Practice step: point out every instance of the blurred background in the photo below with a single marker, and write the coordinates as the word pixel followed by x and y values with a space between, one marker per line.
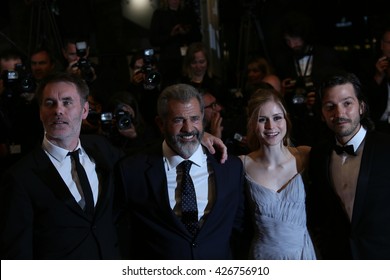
pixel 232 29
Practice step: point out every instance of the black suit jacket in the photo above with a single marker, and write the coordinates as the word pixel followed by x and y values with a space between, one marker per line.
pixel 157 233
pixel 40 219
pixel 367 236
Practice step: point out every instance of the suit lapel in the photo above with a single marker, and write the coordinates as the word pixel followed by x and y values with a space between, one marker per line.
pixel 219 183
pixel 103 172
pixel 363 178
pixel 158 181
pixel 46 171
pixel 159 187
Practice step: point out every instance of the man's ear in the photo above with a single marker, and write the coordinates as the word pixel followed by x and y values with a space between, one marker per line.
pixel 85 110
pixel 363 108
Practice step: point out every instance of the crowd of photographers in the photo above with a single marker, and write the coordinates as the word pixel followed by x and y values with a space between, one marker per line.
pixel 123 119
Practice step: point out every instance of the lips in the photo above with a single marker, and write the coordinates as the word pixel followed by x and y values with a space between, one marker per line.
pixel 58 122
pixel 187 137
pixel 271 134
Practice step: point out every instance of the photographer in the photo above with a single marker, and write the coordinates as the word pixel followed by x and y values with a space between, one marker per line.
pixel 8 60
pixel 124 125
pixel 76 53
pixel 301 67
pixel 145 84
pixel 42 63
pixel 379 85
pixel 19 107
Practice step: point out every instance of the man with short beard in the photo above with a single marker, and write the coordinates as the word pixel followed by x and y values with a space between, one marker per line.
pixel 150 188
pixel 348 200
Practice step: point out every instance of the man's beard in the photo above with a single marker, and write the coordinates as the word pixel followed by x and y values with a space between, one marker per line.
pixel 183 148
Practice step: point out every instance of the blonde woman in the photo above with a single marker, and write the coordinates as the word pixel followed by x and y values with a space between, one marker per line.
pixel 275 187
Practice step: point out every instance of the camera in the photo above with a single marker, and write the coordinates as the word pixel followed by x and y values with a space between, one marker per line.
pixel 18 81
pixel 120 118
pixel 300 88
pixel 83 64
pixel 152 77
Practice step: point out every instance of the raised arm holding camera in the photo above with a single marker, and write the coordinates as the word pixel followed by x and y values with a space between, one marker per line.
pixel 378 83
pixel 145 84
pixel 76 53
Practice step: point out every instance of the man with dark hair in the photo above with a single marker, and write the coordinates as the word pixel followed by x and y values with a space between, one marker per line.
pixel 43 203
pixel 348 200
pixel 42 63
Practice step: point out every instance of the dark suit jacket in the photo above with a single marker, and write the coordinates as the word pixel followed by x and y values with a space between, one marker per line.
pixel 40 219
pixel 157 233
pixel 367 236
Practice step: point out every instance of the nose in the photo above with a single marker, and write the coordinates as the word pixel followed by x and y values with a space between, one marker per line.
pixel 268 124
pixel 187 126
pixel 339 111
pixel 58 109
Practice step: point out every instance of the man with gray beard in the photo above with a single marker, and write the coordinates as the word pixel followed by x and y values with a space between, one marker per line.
pixel 162 222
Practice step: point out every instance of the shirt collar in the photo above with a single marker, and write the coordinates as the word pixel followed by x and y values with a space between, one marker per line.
pixel 57 152
pixel 174 159
pixel 356 140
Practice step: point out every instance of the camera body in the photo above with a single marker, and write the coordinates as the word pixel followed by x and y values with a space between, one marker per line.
pixel 120 119
pixel 18 81
pixel 152 77
pixel 83 63
pixel 300 88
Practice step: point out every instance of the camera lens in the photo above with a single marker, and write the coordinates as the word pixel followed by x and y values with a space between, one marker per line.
pixel 123 120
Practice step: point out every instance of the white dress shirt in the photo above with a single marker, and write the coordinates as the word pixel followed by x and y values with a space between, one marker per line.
pixel 63 163
pixel 345 171
pixel 202 176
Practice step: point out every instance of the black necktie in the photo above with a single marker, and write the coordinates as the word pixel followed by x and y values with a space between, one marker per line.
pixel 347 149
pixel 85 186
pixel 188 199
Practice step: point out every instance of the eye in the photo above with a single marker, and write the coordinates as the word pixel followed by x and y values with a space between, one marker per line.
pixel 262 120
pixel 278 118
pixel 195 119
pixel 48 103
pixel 328 107
pixel 178 120
pixel 347 103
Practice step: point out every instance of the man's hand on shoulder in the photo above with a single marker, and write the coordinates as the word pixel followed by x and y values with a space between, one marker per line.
pixel 212 143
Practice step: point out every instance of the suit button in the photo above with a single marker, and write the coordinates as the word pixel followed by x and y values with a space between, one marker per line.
pixel 93 227
pixel 194 244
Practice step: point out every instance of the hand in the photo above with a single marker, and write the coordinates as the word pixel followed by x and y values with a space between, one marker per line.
pixel 209 141
pixel 73 69
pixel 381 66
pixel 215 125
pixel 288 83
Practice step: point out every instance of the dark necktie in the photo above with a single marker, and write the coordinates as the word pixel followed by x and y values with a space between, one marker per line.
pixel 85 186
pixel 347 149
pixel 188 199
